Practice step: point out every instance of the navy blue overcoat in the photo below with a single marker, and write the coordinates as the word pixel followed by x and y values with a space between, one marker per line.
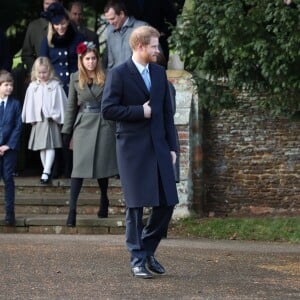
pixel 63 57
pixel 143 145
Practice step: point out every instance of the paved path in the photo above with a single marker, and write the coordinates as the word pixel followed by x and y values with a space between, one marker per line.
pixel 96 267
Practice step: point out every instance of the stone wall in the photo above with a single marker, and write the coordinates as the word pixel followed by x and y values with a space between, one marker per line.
pixel 187 120
pixel 251 162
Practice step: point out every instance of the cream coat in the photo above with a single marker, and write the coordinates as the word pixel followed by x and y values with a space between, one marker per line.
pixel 44 100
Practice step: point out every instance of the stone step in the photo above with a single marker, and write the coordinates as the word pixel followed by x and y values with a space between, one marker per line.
pixel 32 184
pixel 44 208
pixel 34 198
pixel 56 224
pixel 85 198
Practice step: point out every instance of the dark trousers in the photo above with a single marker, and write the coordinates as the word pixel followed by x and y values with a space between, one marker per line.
pixel 7 168
pixel 141 240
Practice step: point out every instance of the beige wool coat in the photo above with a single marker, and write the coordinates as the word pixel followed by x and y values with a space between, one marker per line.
pixel 94 147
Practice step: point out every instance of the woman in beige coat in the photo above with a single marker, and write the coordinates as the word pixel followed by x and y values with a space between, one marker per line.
pixel 93 139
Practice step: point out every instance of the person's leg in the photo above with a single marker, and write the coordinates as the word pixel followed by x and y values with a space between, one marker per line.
pixel 58 164
pixel 153 232
pixel 48 162
pixel 43 157
pixel 49 159
pixel 104 202
pixel 76 184
pixel 9 163
pixel 67 162
pixel 156 227
pixel 134 228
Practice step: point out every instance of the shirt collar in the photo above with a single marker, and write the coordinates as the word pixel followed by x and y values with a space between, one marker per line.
pixel 123 26
pixel 125 23
pixel 3 99
pixel 140 67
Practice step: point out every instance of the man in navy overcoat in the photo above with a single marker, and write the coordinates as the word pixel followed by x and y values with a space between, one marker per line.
pixel 146 147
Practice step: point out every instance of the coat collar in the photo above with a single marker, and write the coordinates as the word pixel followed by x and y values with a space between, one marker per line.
pixel 137 76
pixel 95 90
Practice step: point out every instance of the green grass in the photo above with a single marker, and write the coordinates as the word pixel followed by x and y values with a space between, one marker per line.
pixel 260 229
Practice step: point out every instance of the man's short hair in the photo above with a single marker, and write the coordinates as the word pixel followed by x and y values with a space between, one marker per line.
pixel 5 76
pixel 142 35
pixel 75 3
pixel 117 5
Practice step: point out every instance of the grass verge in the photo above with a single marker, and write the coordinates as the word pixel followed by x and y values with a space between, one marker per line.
pixel 285 229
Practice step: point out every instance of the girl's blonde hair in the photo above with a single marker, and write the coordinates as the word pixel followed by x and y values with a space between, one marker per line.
pixel 83 75
pixel 42 61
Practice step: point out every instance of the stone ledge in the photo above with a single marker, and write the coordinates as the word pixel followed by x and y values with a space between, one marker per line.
pixel 63 200
pixel 60 182
pixel 57 224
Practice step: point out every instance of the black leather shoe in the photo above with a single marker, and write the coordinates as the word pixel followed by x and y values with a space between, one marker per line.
pixel 45 180
pixel 71 221
pixel 154 266
pixel 141 272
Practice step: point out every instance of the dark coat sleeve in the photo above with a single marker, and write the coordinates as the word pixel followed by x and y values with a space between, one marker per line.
pixel 112 107
pixel 13 127
pixel 44 51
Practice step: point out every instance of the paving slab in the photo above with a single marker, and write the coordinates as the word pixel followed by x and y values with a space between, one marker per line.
pixel 36 266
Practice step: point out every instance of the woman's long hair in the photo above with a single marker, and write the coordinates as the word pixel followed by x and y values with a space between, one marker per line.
pixel 84 79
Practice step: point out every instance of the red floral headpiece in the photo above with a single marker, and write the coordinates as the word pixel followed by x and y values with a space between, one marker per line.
pixel 83 46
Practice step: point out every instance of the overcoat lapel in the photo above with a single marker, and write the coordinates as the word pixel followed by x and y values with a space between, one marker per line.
pixel 96 92
pixel 136 77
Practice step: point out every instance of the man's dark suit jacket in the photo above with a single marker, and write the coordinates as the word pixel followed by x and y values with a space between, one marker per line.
pixel 11 124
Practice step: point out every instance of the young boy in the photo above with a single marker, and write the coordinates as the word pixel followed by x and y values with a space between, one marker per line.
pixel 10 131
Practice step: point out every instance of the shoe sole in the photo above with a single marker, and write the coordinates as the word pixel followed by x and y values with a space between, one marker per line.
pixel 143 277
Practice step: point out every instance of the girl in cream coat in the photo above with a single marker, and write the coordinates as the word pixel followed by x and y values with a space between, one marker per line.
pixel 44 107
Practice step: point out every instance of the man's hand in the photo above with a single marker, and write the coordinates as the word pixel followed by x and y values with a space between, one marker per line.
pixel 147 110
pixel 3 149
pixel 174 157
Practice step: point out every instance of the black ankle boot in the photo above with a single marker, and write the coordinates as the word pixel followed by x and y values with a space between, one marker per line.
pixel 71 221
pixel 103 210
pixel 10 219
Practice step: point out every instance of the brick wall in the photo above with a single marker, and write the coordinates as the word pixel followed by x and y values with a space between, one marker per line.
pixel 251 162
pixel 239 162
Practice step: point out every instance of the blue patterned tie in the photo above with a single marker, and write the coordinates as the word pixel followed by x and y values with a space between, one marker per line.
pixel 146 77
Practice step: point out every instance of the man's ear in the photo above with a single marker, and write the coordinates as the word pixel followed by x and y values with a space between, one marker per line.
pixel 140 47
pixel 122 14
